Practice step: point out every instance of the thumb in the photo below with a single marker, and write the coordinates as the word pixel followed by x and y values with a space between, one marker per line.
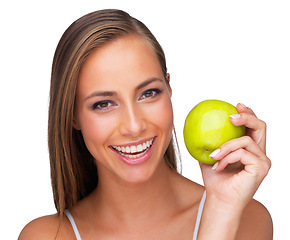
pixel 206 170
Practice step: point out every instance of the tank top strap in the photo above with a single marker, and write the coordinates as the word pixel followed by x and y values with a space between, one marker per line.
pixel 199 214
pixel 73 224
pixel 198 218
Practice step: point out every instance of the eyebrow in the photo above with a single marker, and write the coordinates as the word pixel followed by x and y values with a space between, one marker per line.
pixel 147 82
pixel 114 93
pixel 101 94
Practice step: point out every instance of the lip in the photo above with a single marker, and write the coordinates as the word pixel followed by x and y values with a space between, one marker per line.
pixel 134 161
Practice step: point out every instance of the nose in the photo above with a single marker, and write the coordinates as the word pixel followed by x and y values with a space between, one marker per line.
pixel 132 121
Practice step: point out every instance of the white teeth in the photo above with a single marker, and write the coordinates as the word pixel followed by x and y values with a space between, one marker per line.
pixel 134 149
pixel 140 148
pixel 128 150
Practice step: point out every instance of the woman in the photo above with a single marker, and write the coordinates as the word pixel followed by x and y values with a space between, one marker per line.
pixel 113 163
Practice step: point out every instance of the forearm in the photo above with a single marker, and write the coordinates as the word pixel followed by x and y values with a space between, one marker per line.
pixel 219 221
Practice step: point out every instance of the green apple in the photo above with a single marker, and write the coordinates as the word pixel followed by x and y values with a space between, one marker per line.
pixel 207 127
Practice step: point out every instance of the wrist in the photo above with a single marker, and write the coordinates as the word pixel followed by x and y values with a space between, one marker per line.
pixel 220 220
pixel 224 204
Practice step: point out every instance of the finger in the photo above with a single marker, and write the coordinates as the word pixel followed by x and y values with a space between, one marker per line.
pixel 245 142
pixel 249 120
pixel 244 109
pixel 240 155
pixel 256 127
pixel 252 164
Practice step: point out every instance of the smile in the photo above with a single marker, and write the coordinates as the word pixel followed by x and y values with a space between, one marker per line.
pixel 134 151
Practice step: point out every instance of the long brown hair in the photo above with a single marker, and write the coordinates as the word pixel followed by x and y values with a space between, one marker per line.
pixel 73 169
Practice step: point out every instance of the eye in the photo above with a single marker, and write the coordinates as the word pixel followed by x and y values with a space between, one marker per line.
pixel 102 105
pixel 150 93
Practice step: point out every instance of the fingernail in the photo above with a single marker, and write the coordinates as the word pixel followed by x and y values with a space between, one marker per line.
pixel 235 116
pixel 215 166
pixel 243 105
pixel 215 152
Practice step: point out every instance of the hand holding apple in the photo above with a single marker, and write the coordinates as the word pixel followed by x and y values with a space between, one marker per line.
pixel 207 127
pixel 230 189
pixel 236 184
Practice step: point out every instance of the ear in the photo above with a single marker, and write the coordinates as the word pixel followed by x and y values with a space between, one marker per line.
pixel 76 125
pixel 169 87
pixel 168 77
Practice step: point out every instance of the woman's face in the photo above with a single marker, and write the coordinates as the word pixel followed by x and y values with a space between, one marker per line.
pixel 123 109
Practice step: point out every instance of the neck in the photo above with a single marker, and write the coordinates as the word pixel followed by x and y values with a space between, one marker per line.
pixel 133 201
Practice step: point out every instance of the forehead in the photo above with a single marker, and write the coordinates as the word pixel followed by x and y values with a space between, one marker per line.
pixel 128 59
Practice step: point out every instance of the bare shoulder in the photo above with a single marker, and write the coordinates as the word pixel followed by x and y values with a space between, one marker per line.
pixel 188 190
pixel 256 223
pixel 46 228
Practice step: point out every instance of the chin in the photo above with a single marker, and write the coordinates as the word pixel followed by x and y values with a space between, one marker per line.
pixel 143 173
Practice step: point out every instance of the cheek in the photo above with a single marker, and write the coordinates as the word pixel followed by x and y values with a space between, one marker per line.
pixel 96 130
pixel 162 115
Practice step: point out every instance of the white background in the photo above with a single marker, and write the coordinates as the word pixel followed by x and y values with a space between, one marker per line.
pixel 237 51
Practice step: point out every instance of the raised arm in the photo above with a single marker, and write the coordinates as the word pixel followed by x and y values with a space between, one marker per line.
pixel 229 207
